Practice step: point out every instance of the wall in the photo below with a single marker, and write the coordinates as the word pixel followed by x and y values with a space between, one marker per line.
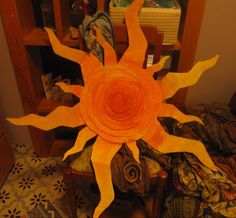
pixel 218 36
pixel 10 102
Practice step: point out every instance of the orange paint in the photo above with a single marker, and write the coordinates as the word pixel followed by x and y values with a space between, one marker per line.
pixel 120 103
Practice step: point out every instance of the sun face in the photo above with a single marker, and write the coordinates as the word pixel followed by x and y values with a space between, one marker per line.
pixel 120 103
pixel 115 101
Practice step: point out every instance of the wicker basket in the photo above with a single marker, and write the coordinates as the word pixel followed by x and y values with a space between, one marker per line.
pixel 166 20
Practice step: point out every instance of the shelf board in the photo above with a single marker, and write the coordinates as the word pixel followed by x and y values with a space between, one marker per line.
pixel 174 47
pixel 70 42
pixel 38 37
pixel 46 106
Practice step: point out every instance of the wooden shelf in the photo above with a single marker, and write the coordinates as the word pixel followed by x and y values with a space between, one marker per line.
pixel 18 17
pixel 38 37
pixel 175 47
pixel 46 106
pixel 70 42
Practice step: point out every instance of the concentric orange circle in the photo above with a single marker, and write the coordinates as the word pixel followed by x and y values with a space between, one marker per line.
pixel 118 105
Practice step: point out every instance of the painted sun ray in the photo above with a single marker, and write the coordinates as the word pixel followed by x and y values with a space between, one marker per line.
pixel 88 62
pixel 166 143
pixel 83 136
pixel 61 116
pixel 73 89
pixel 129 121
pixel 135 53
pixel 134 148
pixel 105 151
pixel 172 82
pixel 158 66
pixel 109 52
pixel 64 51
pixel 169 110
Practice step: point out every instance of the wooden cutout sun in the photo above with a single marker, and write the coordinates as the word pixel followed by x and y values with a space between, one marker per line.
pixel 120 103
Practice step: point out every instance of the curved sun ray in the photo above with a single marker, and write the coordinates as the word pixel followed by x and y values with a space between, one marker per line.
pixel 74 89
pixel 109 52
pixel 83 136
pixel 88 62
pixel 158 66
pixel 136 51
pixel 134 148
pixel 166 143
pixel 172 82
pixel 169 110
pixel 64 51
pixel 105 151
pixel 61 116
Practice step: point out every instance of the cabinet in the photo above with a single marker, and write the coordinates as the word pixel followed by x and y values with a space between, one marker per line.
pixel 7 158
pixel 26 40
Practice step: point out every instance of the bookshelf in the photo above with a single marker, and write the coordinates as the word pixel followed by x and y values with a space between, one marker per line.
pixel 26 38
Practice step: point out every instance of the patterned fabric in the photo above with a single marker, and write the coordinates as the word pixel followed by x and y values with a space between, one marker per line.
pixel 181 206
pixel 43 210
pixel 127 175
pixel 103 22
pixel 214 189
pixel 219 130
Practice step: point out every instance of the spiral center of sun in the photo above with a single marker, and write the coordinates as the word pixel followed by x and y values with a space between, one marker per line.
pixel 121 103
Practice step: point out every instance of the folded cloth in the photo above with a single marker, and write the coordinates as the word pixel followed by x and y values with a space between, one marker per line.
pixel 214 189
pixel 219 130
pixel 103 22
pixel 227 164
pixel 232 103
pixel 127 174
pixel 177 205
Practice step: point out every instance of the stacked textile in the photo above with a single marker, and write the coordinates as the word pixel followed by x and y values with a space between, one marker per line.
pixel 198 191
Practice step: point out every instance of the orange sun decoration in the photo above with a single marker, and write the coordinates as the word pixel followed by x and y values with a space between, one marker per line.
pixel 120 103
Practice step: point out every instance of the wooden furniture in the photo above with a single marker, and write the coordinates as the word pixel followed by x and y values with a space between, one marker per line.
pixel 158 180
pixel 152 35
pixel 26 38
pixel 7 158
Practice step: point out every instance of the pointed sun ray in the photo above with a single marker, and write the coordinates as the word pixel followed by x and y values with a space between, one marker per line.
pixel 169 110
pixel 84 135
pixel 88 62
pixel 109 52
pixel 135 53
pixel 158 66
pixel 172 82
pixel 64 51
pixel 166 143
pixel 74 89
pixel 105 151
pixel 134 148
pixel 61 116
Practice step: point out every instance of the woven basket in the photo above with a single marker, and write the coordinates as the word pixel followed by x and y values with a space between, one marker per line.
pixel 166 20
